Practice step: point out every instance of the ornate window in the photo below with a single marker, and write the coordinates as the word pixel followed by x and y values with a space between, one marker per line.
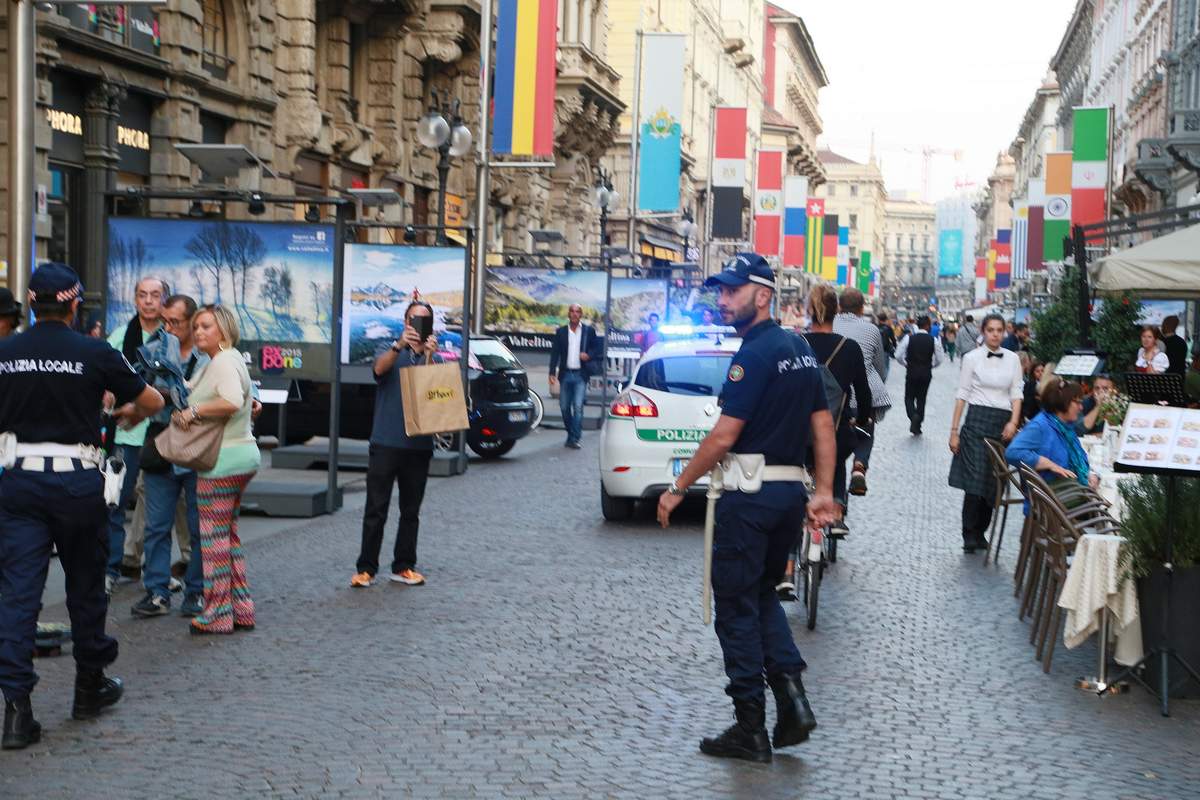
pixel 215 51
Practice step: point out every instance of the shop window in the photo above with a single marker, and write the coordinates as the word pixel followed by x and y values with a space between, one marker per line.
pixel 64 203
pixel 133 25
pixel 853 221
pixel 215 55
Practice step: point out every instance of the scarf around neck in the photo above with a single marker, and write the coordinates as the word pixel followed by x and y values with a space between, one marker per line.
pixel 1078 458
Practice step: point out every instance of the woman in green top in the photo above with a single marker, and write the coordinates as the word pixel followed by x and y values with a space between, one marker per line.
pixel 222 392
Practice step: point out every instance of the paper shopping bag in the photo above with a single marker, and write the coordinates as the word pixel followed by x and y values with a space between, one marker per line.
pixel 433 399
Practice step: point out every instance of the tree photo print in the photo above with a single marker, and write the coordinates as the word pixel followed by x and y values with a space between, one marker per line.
pixel 276 278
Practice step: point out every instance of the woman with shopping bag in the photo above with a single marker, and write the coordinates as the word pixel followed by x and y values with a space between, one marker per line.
pixel 395 456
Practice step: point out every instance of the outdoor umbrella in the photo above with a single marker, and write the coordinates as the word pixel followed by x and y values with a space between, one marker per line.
pixel 1167 267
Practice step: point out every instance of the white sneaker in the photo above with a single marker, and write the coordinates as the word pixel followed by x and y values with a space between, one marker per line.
pixel 175 585
pixel 110 583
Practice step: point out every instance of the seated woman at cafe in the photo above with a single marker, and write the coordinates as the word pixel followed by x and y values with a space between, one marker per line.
pixel 1151 356
pixel 1049 443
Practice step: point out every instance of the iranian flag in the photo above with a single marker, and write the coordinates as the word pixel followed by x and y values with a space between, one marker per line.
pixel 1089 168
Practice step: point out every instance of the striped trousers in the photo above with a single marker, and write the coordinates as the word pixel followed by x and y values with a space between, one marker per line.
pixel 227 600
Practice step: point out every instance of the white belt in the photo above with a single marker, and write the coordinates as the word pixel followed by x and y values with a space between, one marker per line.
pixel 747 472
pixel 62 456
pixel 771 474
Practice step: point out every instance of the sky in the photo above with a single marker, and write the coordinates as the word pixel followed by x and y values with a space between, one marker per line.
pixel 954 75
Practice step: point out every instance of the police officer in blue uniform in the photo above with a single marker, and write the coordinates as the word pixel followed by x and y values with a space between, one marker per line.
pixel 772 406
pixel 52 492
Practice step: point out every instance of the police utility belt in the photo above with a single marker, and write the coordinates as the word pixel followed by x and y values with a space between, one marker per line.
pixel 53 457
pixel 747 472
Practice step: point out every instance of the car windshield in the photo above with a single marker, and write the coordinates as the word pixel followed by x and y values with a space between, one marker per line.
pixel 698 375
pixel 492 355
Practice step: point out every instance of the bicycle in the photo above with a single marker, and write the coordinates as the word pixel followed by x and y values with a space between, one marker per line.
pixel 809 557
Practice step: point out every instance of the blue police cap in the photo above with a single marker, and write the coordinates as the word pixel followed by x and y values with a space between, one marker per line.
pixel 744 268
pixel 54 282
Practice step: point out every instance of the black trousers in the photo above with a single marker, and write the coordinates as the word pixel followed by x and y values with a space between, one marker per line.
pixel 916 387
pixel 409 470
pixel 976 517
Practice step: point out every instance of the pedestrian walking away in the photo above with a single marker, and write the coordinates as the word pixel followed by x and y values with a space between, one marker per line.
pixel 222 392
pixel 853 325
pixel 52 493
pixel 772 402
pixel 574 358
pixel 888 336
pixel 967 338
pixel 395 457
pixel 919 353
pixel 990 388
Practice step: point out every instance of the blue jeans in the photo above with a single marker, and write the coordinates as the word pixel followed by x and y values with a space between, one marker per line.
pixel 573 387
pixel 162 495
pixel 132 455
pixel 754 533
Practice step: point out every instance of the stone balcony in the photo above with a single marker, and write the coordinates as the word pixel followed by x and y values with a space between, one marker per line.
pixel 588 103
pixel 1154 164
pixel 1183 137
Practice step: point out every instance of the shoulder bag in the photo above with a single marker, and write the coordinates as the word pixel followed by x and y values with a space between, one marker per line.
pixel 196 448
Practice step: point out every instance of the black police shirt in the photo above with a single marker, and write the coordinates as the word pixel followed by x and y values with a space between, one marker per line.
pixel 52 384
pixel 774 384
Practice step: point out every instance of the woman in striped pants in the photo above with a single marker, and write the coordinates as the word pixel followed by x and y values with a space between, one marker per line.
pixel 223 391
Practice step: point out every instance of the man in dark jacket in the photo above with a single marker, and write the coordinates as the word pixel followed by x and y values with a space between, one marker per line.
pixel 1174 345
pixel 575 357
pixel 889 343
pixel 919 352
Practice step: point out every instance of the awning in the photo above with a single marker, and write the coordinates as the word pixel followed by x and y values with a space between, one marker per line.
pixel 1166 267
pixel 660 248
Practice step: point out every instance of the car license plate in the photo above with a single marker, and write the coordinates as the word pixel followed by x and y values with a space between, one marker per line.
pixel 677 466
pixel 518 416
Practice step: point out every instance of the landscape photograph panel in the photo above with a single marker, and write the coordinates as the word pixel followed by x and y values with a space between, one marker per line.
pixel 381 281
pixel 277 278
pixel 535 300
pixel 632 302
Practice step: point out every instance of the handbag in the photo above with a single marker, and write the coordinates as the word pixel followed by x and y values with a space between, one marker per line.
pixel 433 400
pixel 196 448
pixel 152 460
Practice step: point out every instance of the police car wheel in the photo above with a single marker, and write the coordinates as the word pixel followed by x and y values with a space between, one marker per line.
pixel 615 509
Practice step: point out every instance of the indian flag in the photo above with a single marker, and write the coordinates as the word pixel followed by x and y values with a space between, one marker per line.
pixel 1057 213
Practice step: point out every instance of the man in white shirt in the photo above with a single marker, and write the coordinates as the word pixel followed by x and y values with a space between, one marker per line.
pixel 919 352
pixel 853 325
pixel 574 358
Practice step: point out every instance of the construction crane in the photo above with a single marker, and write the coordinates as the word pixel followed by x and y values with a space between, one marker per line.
pixel 927 154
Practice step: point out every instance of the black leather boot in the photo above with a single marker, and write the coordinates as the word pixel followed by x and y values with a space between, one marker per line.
pixel 794 716
pixel 94 691
pixel 20 728
pixel 745 739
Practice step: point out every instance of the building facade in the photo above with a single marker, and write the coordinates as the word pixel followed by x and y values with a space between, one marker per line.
pixel 1145 166
pixel 1071 66
pixel 908 267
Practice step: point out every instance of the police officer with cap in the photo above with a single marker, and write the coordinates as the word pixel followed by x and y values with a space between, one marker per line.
pixel 52 492
pixel 772 406
pixel 10 313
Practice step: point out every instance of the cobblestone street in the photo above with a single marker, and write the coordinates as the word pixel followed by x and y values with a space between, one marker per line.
pixel 553 655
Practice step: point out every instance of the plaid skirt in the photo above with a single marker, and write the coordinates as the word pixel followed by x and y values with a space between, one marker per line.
pixel 970 470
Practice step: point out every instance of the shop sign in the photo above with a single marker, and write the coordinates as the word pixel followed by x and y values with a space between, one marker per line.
pixel 65 118
pixel 133 137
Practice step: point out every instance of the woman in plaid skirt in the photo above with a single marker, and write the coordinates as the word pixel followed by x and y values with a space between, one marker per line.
pixel 990 389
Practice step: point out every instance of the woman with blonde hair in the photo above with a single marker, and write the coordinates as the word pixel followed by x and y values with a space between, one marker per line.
pixel 222 392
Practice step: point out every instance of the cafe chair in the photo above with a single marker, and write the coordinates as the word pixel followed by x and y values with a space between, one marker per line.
pixel 1007 493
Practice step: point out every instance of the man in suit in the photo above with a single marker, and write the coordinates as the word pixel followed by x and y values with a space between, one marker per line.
pixel 919 352
pixel 1174 345
pixel 575 357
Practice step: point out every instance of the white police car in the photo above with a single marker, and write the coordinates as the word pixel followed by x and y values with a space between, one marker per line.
pixel 657 421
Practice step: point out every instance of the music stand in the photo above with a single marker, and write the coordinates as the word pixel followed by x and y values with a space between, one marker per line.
pixel 1159 390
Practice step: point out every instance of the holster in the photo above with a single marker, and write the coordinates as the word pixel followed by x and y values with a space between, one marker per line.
pixel 114 478
pixel 8 450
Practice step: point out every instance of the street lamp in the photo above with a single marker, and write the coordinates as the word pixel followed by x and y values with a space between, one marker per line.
pixel 687 228
pixel 450 138
pixel 606 198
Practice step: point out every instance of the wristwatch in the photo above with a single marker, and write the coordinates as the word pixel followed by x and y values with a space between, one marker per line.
pixel 396 349
pixel 675 490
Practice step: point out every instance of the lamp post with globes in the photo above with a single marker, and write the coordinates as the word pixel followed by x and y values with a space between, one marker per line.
pixel 687 228
pixel 442 129
pixel 606 198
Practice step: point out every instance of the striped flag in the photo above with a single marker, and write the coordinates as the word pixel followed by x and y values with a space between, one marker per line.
pixel 1004 258
pixel 768 202
pixel 659 132
pixel 1035 259
pixel 816 228
pixel 795 219
pixel 981 281
pixel 829 248
pixel 1057 225
pixel 1020 240
pixel 843 254
pixel 526 49
pixel 1089 166
pixel 728 172
pixel 991 266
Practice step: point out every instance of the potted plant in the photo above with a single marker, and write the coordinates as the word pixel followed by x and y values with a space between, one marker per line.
pixel 1145 526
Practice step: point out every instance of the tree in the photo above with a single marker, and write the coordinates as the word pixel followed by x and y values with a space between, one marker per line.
pixel 246 253
pixel 1116 332
pixel 276 289
pixel 1056 328
pixel 210 248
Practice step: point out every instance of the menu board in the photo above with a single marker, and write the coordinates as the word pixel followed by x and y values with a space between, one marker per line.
pixel 1160 437
pixel 1078 365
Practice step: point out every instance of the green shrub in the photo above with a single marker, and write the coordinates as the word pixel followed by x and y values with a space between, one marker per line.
pixel 1055 329
pixel 1116 333
pixel 1145 523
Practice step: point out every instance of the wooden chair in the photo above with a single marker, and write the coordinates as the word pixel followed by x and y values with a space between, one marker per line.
pixel 1007 493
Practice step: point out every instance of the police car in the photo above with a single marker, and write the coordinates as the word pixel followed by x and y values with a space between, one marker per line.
pixel 657 421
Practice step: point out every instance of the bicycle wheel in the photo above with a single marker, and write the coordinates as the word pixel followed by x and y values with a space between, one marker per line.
pixel 812 589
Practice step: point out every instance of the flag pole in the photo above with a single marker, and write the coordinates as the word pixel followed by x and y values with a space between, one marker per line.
pixel 708 204
pixel 479 287
pixel 635 124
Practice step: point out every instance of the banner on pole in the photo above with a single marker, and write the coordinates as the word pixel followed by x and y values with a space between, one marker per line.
pixel 768 202
pixel 795 219
pixel 728 173
pixel 815 240
pixel 1089 165
pixel 659 130
pixel 950 252
pixel 523 103
pixel 1057 215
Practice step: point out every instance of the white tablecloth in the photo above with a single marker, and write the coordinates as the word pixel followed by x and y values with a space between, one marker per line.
pixel 1093 583
pixel 1109 489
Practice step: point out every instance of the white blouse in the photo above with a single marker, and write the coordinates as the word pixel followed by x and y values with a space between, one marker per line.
pixel 993 382
pixel 1160 362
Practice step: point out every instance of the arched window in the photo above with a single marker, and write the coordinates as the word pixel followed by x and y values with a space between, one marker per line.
pixel 215 54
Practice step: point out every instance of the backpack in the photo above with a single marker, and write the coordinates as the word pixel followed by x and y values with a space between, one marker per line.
pixel 835 395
